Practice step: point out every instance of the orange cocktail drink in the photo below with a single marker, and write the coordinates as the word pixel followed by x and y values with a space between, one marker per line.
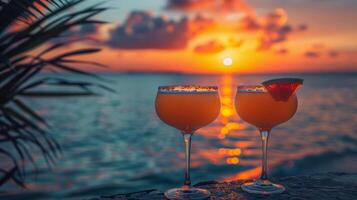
pixel 256 106
pixel 266 106
pixel 187 108
pixel 187 111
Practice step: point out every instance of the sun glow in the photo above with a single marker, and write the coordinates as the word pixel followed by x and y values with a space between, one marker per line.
pixel 228 61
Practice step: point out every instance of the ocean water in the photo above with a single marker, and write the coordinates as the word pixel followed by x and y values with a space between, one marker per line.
pixel 114 143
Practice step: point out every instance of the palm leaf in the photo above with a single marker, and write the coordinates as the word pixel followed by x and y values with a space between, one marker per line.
pixel 11 175
pixel 57 94
pixel 39 22
pixel 26 109
pixel 21 10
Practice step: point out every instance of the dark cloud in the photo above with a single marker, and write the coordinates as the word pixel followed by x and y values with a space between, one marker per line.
pixel 274 35
pixel 87 33
pixel 302 27
pixel 83 31
pixel 91 33
pixel 333 54
pixel 320 49
pixel 186 4
pixel 209 5
pixel 88 29
pixel 142 30
pixel 209 47
pixel 312 54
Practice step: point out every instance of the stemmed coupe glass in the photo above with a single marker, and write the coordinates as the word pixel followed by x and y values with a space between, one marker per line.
pixel 266 106
pixel 187 108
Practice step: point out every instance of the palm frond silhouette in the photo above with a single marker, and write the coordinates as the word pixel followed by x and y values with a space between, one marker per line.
pixel 27 31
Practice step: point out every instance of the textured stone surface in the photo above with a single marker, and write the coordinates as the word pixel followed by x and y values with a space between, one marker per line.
pixel 337 186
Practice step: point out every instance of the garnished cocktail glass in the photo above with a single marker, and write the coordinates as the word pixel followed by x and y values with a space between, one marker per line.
pixel 266 106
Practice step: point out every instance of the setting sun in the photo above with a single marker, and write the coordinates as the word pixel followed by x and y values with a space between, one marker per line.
pixel 227 61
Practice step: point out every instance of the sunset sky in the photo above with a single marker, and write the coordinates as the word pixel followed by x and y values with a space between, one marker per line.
pixel 226 36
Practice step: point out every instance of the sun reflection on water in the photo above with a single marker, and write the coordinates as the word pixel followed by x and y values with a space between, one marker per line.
pixel 228 117
pixel 232 133
pixel 229 121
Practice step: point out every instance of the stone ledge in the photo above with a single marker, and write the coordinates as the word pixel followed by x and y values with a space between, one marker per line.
pixel 324 186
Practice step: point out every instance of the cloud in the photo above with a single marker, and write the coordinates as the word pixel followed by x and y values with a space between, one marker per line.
pixel 276 18
pixel 302 27
pixel 87 33
pixel 274 36
pixel 209 47
pixel 312 54
pixel 88 29
pixel 91 32
pixel 272 27
pixel 142 30
pixel 215 46
pixel 209 5
pixel 333 54
pixel 249 23
pixel 320 49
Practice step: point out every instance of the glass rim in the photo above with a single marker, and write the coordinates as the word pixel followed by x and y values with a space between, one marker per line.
pixel 257 88
pixel 187 89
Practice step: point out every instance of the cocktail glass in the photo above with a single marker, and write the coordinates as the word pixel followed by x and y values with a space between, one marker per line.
pixel 255 105
pixel 187 108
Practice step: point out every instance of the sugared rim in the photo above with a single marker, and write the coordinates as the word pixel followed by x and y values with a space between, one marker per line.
pixel 187 89
pixel 251 88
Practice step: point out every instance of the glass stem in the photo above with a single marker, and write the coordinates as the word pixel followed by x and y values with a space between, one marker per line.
pixel 187 140
pixel 265 137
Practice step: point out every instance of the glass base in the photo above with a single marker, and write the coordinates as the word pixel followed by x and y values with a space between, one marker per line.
pixel 186 193
pixel 263 187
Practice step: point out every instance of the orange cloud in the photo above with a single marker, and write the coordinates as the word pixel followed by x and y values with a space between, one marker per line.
pixel 273 28
pixel 212 46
